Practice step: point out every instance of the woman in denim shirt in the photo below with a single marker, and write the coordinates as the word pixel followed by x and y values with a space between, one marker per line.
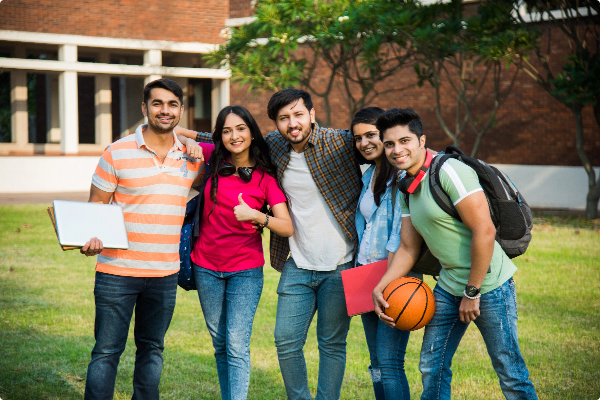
pixel 378 228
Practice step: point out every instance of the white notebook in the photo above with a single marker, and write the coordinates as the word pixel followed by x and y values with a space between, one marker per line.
pixel 78 222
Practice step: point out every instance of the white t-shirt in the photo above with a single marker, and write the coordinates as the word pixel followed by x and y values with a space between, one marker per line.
pixel 319 242
pixel 366 209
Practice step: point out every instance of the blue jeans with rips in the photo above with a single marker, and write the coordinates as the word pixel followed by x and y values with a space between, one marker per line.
pixel 116 297
pixel 387 348
pixel 301 292
pixel 229 301
pixel 498 326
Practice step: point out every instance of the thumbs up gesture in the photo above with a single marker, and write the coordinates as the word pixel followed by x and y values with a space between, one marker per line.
pixel 243 212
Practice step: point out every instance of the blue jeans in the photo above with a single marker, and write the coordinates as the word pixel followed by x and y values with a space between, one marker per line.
pixel 387 348
pixel 301 292
pixel 116 297
pixel 229 301
pixel 498 326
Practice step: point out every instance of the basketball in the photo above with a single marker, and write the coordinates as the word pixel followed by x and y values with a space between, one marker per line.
pixel 411 303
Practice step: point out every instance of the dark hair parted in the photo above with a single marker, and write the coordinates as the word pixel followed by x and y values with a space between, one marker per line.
pixel 166 84
pixel 400 117
pixel 285 97
pixel 259 150
pixel 369 116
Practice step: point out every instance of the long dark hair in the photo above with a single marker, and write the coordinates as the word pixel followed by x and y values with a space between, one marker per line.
pixel 259 150
pixel 369 116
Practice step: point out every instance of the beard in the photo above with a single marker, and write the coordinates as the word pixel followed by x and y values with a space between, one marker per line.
pixel 305 132
pixel 160 127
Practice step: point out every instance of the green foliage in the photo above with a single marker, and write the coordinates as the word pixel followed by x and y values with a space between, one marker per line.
pixel 580 81
pixel 314 44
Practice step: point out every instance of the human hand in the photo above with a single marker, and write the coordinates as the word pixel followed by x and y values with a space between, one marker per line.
pixel 380 306
pixel 243 212
pixel 468 310
pixel 193 149
pixel 93 247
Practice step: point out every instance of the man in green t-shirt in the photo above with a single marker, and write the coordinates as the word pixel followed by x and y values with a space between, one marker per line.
pixel 475 282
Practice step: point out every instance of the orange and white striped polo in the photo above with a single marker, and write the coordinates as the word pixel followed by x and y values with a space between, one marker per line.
pixel 153 196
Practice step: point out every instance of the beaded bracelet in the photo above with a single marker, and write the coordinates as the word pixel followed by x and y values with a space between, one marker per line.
pixel 266 220
pixel 471 298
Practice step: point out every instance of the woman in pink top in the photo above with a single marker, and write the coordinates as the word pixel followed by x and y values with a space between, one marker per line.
pixel 228 255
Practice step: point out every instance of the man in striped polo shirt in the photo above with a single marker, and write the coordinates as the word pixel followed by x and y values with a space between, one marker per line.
pixel 149 174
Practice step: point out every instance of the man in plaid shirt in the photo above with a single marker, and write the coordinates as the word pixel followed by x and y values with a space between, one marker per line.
pixel 317 171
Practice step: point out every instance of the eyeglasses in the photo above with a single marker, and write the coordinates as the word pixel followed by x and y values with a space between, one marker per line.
pixel 228 169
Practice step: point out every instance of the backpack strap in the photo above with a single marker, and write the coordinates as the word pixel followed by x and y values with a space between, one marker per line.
pixel 437 191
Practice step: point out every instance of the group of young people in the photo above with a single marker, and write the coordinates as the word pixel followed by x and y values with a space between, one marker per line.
pixel 303 182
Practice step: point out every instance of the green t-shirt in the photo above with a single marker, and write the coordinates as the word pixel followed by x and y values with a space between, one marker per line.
pixel 449 239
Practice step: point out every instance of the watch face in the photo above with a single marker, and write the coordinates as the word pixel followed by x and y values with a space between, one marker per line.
pixel 471 291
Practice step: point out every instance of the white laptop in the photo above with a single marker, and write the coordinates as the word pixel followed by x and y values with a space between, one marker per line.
pixel 78 222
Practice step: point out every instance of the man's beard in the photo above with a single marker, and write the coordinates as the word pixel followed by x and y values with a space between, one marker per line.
pixel 162 128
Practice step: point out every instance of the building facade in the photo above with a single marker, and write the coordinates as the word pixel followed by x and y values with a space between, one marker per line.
pixel 72 74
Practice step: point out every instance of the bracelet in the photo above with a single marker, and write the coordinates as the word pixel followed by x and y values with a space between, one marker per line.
pixel 266 220
pixel 471 298
pixel 197 136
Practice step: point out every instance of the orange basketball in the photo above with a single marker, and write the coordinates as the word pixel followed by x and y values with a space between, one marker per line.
pixel 411 303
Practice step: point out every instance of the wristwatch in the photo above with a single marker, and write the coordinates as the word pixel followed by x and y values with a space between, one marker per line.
pixel 471 292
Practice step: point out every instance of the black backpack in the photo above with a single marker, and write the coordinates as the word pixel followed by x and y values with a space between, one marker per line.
pixel 510 212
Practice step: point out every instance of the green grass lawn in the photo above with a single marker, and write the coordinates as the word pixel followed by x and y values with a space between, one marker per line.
pixel 47 321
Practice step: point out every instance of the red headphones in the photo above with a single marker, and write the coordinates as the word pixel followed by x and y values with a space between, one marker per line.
pixel 411 184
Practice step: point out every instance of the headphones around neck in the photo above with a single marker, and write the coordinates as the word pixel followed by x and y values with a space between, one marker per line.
pixel 228 169
pixel 411 184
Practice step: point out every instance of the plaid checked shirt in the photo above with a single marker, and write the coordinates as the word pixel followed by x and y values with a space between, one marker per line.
pixel 330 157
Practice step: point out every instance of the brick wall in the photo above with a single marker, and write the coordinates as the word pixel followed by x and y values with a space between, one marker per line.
pixel 532 127
pixel 240 8
pixel 180 21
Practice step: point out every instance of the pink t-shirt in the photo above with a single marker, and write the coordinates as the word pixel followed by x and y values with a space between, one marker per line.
pixel 226 244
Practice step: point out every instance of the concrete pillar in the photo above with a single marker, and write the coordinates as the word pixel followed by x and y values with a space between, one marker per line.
pixel 219 98
pixel 152 58
pixel 103 100
pixel 18 105
pixel 19 118
pixel 68 107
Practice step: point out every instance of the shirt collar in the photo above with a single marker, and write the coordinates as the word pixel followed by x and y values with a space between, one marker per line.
pixel 139 138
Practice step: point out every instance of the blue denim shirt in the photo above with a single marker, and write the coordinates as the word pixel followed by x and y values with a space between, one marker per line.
pixel 384 234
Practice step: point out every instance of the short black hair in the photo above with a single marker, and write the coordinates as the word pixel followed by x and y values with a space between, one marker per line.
pixel 166 84
pixel 400 117
pixel 285 97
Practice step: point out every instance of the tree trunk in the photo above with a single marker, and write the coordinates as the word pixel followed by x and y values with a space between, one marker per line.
pixel 593 195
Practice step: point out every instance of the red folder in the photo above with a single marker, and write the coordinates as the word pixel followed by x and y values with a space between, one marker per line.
pixel 359 283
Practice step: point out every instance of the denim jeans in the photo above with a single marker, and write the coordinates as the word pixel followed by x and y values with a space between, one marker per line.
pixel 498 326
pixel 301 292
pixel 387 347
pixel 116 297
pixel 229 301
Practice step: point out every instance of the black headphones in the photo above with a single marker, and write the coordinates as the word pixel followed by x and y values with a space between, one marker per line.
pixel 411 184
pixel 227 169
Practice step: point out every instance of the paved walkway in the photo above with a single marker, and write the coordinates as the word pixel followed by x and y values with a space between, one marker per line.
pixel 41 198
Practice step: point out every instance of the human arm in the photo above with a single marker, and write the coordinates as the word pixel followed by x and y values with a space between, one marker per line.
pixel 94 246
pixel 399 265
pixel 475 214
pixel 280 223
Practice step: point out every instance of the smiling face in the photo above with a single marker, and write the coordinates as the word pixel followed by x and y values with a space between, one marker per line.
pixel 367 140
pixel 294 122
pixel 163 110
pixel 403 149
pixel 236 135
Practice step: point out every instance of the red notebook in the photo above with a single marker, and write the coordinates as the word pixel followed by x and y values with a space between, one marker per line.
pixel 359 283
